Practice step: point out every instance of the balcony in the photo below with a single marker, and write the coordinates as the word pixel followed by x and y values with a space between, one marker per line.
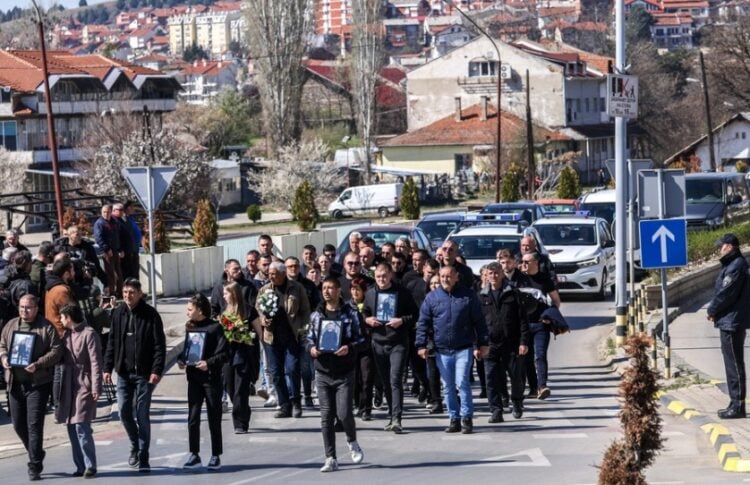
pixel 97 107
pixel 63 155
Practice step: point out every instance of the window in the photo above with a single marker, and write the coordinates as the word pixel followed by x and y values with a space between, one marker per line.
pixel 8 135
pixel 462 161
pixel 482 68
pixel 578 105
pixel 743 135
pixel 5 94
pixel 587 104
pixel 602 105
pixel 595 103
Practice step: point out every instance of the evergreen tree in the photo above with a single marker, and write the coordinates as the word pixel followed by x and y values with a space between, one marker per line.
pixel 253 212
pixel 205 228
pixel 303 207
pixel 82 3
pixel 161 239
pixel 569 186
pixel 410 200
pixel 509 190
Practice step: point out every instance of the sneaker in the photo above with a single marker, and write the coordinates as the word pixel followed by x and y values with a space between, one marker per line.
pixel 214 463
pixel 517 410
pixel 34 475
pixel 133 459
pixel 284 412
pixel 309 403
pixel 544 393
pixel 271 402
pixel 77 473
pixel 467 426
pixel 89 473
pixel 240 431
pixel 194 461
pixel 497 417
pixel 262 393
pixel 357 453
pixel 367 416
pixel 454 426
pixel 297 413
pixel 396 426
pixel 331 465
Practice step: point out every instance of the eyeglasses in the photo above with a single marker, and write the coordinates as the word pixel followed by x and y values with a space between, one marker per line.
pixel 26 307
pixel 448 249
pixel 352 263
pixel 292 266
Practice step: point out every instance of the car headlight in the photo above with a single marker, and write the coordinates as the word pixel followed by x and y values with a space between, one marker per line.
pixel 589 262
pixel 716 221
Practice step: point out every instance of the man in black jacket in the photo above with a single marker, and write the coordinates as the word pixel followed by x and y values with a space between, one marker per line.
pixel 450 252
pixel 232 272
pixel 509 335
pixel 137 352
pixel 728 311
pixel 352 269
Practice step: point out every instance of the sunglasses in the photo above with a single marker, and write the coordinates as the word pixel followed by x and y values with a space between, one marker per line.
pixel 352 263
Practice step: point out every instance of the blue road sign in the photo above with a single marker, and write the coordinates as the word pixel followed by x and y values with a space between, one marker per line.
pixel 663 243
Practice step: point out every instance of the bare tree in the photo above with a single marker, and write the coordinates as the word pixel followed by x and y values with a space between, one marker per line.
pixel 278 33
pixel 13 174
pixel 728 65
pixel 368 55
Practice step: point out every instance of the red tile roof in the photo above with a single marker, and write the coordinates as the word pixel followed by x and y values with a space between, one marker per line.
pixel 471 130
pixel 207 68
pixel 671 19
pixel 557 11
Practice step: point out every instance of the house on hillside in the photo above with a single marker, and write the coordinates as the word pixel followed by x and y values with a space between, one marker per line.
pixel 731 145
pixel 203 80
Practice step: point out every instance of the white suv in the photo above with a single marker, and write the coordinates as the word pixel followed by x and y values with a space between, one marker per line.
pixel 583 252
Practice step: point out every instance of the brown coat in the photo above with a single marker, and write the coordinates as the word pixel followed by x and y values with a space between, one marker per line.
pixel 295 305
pixel 48 349
pixel 57 297
pixel 82 376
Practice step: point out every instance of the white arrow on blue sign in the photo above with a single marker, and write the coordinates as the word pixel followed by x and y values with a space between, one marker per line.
pixel 663 243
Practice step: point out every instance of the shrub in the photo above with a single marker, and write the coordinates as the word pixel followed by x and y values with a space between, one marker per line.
pixel 509 190
pixel 253 212
pixel 161 241
pixel 702 244
pixel 569 186
pixel 303 207
pixel 410 200
pixel 741 166
pixel 72 217
pixel 205 228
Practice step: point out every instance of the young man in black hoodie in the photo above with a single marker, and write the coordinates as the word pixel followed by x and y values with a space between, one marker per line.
pixel 335 355
pixel 391 312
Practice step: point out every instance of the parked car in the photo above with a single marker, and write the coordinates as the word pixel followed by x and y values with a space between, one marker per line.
pixel 600 203
pixel 583 252
pixel 529 211
pixel 438 226
pixel 387 233
pixel 715 199
pixel 558 205
pixel 383 199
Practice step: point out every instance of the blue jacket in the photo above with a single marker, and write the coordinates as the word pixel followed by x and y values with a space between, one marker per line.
pixel 728 307
pixel 107 235
pixel 350 335
pixel 455 319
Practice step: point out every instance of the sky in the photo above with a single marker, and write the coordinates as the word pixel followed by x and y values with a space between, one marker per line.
pixel 8 4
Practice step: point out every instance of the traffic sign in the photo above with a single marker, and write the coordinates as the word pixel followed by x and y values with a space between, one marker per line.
pixel 622 96
pixel 649 194
pixel 138 177
pixel 663 243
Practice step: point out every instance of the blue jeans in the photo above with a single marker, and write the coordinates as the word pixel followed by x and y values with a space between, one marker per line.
pixel 82 444
pixel 536 370
pixel 454 367
pixel 283 364
pixel 134 400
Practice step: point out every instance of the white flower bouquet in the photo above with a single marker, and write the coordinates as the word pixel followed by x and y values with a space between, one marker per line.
pixel 268 303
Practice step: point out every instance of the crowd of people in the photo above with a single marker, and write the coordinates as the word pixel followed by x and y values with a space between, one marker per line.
pixel 354 327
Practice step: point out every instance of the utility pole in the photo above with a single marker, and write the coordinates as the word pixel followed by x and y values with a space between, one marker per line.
pixel 621 186
pixel 530 141
pixel 52 139
pixel 707 106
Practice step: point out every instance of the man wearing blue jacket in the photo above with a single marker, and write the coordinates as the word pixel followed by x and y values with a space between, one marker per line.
pixel 453 314
pixel 731 293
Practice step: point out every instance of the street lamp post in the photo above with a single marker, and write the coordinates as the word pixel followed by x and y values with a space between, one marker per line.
pixel 499 91
pixel 52 141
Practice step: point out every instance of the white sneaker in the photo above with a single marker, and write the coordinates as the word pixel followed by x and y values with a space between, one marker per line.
pixel 357 454
pixel 270 402
pixel 331 465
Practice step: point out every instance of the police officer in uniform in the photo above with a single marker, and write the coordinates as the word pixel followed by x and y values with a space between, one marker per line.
pixel 726 310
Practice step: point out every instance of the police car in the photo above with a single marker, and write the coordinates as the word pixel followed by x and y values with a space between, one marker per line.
pixel 582 250
pixel 481 236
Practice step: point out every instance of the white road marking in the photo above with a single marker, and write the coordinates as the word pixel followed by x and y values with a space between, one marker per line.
pixel 556 436
pixel 298 472
pixel 534 454
pixel 259 477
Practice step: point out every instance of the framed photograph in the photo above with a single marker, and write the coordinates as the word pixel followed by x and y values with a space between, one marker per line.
pixel 194 347
pixel 329 336
pixel 386 307
pixel 22 349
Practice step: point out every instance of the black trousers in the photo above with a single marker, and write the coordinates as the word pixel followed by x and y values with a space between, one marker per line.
pixel 390 360
pixel 237 384
pixel 210 392
pixel 365 380
pixel 418 366
pixel 335 399
pixel 28 406
pixel 733 351
pixel 499 363
pixel 433 376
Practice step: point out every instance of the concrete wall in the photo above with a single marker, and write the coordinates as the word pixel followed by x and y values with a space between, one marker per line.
pixel 183 272
pixel 439 159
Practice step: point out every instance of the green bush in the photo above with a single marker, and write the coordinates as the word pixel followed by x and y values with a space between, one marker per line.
pixel 410 200
pixel 304 211
pixel 702 244
pixel 253 212
pixel 741 166
pixel 569 186
pixel 509 190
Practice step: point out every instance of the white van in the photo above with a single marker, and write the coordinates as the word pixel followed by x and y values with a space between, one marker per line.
pixel 382 199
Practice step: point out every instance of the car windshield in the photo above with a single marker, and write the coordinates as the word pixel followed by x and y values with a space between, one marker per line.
pixel 567 234
pixel 704 191
pixel 526 214
pixel 605 210
pixel 486 247
pixel 559 207
pixel 438 229
pixel 382 237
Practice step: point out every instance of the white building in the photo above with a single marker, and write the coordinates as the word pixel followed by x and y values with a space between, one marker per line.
pixel 204 80
pixel 731 145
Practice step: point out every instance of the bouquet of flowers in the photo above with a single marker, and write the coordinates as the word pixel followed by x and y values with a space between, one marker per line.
pixel 236 329
pixel 268 303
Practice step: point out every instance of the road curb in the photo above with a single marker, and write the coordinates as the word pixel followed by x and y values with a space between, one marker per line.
pixel 718 434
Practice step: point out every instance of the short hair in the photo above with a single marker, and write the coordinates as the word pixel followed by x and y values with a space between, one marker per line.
pixel 72 311
pixel 266 256
pixel 62 266
pixel 400 256
pixel 534 255
pixel 390 244
pixel 329 247
pixel 494 266
pixel 433 264
pixel 452 268
pixel 310 247
pixel 421 252
pixel 293 258
pixel 351 253
pixel 314 266
pixel 46 249
pixel 231 261
pixel 21 259
pixel 200 302
pixel 11 232
pixel 107 206
pixel 385 266
pixel 253 252
pixel 265 237
pixel 356 234
pixel 505 254
pixel 278 266
pixel 118 207
pixel 368 241
pixel 132 283
pixel 359 282
pixel 29 296
pixel 334 281
pixel 9 252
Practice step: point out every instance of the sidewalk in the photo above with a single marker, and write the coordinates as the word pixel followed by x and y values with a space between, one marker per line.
pixel 172 311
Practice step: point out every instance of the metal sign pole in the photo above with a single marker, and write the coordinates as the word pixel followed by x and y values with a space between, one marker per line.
pixel 631 246
pixel 663 272
pixel 151 244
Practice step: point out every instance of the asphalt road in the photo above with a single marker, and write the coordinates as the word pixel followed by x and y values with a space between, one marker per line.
pixel 558 441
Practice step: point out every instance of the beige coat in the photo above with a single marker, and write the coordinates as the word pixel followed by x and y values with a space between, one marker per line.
pixel 295 305
pixel 82 375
